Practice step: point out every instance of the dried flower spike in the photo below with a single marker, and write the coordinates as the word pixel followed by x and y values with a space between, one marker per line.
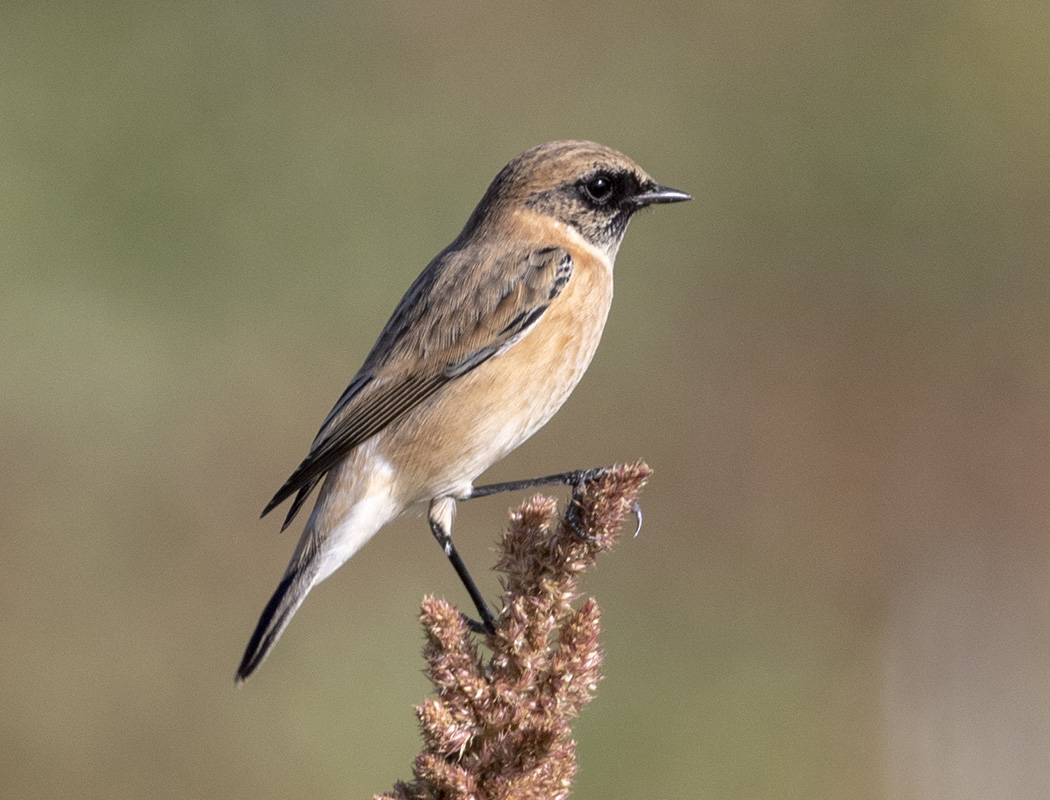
pixel 501 730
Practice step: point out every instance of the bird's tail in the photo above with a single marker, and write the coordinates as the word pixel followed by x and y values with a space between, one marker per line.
pixel 290 594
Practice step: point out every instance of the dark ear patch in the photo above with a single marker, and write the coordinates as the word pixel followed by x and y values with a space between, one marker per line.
pixel 597 203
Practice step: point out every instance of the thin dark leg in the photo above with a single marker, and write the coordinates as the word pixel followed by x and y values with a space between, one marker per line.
pixel 574 478
pixel 488 622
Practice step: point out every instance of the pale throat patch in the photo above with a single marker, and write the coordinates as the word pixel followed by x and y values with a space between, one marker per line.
pixel 605 257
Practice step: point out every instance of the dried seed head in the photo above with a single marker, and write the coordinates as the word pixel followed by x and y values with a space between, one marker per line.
pixel 501 730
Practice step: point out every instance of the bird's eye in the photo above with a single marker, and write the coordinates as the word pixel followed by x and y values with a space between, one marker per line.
pixel 599 188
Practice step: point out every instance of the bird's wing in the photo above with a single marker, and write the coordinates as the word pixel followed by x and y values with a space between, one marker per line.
pixel 455 316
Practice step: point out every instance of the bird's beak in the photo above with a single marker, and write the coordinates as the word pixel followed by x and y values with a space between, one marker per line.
pixel 660 194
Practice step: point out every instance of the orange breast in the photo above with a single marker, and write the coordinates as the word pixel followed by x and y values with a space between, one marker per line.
pixel 444 444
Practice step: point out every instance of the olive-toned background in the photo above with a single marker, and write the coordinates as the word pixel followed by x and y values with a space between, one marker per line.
pixel 836 358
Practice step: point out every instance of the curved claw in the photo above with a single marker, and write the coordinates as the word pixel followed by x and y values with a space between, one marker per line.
pixel 637 509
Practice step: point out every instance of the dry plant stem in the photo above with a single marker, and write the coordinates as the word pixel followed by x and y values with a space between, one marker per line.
pixel 500 730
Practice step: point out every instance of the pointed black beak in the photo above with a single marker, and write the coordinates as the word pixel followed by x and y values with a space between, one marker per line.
pixel 660 194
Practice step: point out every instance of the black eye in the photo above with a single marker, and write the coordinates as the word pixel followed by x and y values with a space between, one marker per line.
pixel 599 188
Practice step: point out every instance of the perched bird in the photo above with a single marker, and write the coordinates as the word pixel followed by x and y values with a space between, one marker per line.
pixel 482 350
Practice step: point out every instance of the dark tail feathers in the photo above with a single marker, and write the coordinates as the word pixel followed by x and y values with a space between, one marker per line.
pixel 291 592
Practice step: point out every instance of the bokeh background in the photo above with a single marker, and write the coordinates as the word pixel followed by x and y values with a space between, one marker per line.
pixel 836 358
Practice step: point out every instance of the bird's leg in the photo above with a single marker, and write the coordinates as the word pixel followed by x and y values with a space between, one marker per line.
pixel 442 511
pixel 575 479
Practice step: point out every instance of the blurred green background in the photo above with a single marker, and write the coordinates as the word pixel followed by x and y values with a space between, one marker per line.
pixel 836 358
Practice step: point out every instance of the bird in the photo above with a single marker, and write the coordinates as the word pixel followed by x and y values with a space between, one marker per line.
pixel 485 346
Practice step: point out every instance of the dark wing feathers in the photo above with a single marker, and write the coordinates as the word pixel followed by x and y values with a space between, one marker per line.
pixel 306 486
pixel 459 316
pixel 344 432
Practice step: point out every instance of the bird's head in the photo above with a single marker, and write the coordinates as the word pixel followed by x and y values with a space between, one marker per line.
pixel 590 187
